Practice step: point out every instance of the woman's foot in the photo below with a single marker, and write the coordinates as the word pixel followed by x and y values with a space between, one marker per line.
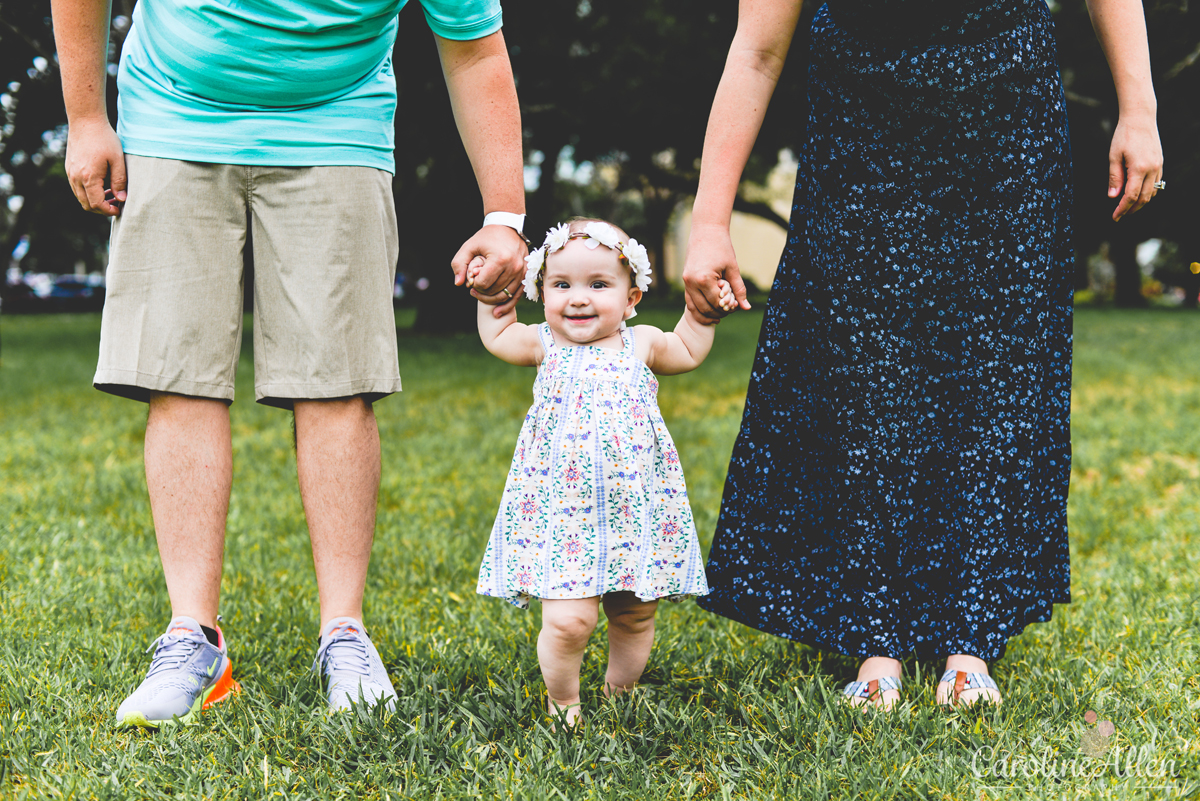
pixel 872 669
pixel 570 711
pixel 959 689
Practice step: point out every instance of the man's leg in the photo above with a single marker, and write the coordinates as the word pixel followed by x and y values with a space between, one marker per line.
pixel 337 457
pixel 171 336
pixel 338 460
pixel 189 472
pixel 325 251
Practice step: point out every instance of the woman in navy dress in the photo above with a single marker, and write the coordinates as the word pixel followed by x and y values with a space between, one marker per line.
pixel 899 484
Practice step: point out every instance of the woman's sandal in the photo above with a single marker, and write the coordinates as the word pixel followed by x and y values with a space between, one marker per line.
pixel 872 691
pixel 961 680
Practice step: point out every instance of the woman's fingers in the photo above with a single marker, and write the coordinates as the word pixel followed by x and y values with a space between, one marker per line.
pixel 711 261
pixel 704 297
pixel 1139 190
pixel 1131 185
pixel 1148 189
pixel 738 287
pixel 1135 163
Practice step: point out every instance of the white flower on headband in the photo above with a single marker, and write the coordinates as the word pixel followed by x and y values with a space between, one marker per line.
pixel 556 237
pixel 601 234
pixel 533 269
pixel 635 253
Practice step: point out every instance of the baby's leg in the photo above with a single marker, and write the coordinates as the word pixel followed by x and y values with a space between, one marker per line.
pixel 566 625
pixel 630 635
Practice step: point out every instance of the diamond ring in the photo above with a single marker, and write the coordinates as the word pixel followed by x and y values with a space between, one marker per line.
pixel 1160 184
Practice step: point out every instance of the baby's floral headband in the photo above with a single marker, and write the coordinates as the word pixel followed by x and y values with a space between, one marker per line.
pixel 596 234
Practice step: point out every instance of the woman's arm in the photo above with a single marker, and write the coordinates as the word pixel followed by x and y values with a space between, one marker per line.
pixel 515 343
pixel 756 58
pixel 1135 158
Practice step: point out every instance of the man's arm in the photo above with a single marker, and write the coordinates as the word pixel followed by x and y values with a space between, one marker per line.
pixel 94 156
pixel 484 98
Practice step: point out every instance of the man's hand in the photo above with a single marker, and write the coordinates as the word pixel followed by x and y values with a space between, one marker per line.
pixel 494 261
pixel 711 274
pixel 480 82
pixel 95 166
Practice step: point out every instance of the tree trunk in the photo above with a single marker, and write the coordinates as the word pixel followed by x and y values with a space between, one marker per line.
pixel 541 208
pixel 1127 292
pixel 451 215
pixel 658 206
pixel 1080 277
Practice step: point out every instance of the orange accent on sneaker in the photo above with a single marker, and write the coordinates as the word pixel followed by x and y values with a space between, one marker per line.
pixel 224 688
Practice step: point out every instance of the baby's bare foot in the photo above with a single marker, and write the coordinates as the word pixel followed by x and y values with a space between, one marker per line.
pixel 568 711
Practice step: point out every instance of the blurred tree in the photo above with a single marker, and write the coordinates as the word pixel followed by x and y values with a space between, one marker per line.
pixel 623 84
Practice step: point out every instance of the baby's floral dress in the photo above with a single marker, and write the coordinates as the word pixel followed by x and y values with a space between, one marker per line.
pixel 595 500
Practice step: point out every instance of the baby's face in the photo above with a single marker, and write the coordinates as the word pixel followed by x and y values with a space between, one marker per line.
pixel 588 292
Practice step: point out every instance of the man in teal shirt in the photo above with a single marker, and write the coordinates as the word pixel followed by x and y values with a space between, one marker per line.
pixel 268 121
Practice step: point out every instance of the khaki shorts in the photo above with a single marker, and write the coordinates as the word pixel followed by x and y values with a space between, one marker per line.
pixel 325 249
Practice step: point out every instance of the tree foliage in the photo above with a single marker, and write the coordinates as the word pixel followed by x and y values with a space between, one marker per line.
pixel 621 83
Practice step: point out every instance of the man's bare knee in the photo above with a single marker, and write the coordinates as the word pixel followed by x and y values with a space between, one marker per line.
pixel 183 407
pixel 340 410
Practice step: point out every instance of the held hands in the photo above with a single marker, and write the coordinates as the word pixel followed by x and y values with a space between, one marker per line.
pixel 492 265
pixel 95 166
pixel 1135 162
pixel 711 277
pixel 725 297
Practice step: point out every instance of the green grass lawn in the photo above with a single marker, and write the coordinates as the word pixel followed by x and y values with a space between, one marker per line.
pixel 725 712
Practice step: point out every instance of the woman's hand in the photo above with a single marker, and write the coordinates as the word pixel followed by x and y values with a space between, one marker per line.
pixel 711 262
pixel 1135 162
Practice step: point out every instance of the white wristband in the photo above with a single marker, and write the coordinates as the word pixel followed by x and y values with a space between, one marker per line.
pixel 514 221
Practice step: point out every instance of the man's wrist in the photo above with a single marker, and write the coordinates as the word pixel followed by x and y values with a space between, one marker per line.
pixel 513 221
pixel 509 220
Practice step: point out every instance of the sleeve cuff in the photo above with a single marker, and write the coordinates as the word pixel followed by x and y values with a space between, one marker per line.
pixel 476 29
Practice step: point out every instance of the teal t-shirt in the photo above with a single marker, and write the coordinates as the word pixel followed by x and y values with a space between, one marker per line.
pixel 272 82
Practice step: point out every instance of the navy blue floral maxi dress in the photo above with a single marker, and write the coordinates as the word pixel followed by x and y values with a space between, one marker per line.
pixel 899 484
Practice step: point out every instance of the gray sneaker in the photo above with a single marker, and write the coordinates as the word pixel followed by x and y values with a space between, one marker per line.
pixel 187 674
pixel 352 668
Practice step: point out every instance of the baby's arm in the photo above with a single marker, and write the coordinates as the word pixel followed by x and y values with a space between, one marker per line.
pixel 683 349
pixel 515 343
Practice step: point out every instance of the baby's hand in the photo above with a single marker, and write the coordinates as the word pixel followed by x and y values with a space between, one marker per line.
pixel 473 270
pixel 725 298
